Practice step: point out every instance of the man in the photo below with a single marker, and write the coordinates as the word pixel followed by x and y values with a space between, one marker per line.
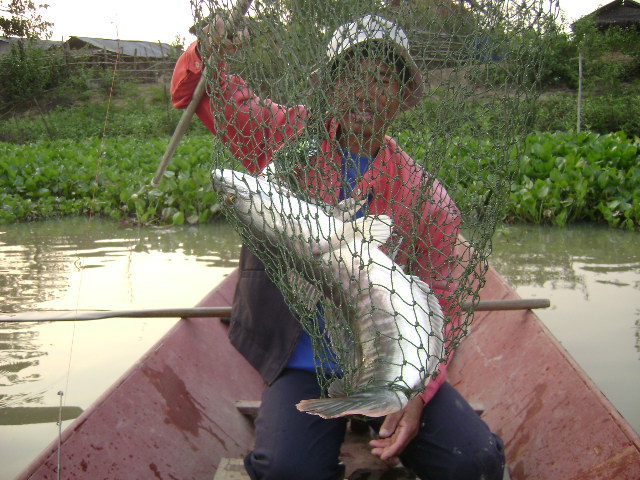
pixel 370 78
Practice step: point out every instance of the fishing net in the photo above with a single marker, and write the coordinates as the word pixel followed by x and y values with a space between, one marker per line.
pixel 429 198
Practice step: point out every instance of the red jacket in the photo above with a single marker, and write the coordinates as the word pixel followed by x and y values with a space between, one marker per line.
pixel 254 128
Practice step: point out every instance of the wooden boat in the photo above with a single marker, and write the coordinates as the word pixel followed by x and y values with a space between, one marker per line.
pixel 174 414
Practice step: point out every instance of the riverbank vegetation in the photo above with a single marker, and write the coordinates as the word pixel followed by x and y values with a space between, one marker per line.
pixel 563 177
pixel 70 149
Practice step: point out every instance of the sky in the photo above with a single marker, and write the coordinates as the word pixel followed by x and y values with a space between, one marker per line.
pixel 165 20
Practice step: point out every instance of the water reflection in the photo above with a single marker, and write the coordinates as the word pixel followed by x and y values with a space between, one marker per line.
pixel 19 350
pixel 591 274
pixel 36 258
pixel 73 262
pixel 530 255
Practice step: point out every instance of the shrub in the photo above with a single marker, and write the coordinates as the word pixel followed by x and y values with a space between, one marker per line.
pixel 28 70
pixel 560 65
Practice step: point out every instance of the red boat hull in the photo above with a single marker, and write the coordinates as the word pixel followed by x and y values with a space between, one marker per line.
pixel 173 414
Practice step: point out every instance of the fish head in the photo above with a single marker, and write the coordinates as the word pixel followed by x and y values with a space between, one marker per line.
pixel 238 190
pixel 230 182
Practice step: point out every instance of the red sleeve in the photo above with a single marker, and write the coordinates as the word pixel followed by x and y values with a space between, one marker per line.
pixel 186 75
pixel 252 128
pixel 435 383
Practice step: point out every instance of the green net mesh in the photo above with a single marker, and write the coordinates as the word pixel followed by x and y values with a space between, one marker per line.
pixel 380 265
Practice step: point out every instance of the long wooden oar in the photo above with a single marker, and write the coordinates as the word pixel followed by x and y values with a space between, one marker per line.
pixel 515 304
pixel 238 11
pixel 71 316
pixel 225 312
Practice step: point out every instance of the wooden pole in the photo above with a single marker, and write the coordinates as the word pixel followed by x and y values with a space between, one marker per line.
pixel 71 316
pixel 183 124
pixel 225 312
pixel 579 119
pixel 237 13
pixel 516 304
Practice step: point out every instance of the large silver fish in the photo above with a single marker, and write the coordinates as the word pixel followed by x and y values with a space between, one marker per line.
pixel 394 325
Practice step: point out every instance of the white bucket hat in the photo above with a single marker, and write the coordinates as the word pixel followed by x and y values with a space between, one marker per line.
pixel 375 28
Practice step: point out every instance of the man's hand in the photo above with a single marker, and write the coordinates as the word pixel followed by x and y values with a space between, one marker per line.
pixel 223 40
pixel 397 430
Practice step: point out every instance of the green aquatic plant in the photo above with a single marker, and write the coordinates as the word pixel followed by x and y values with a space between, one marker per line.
pixel 63 177
pixel 562 178
pixel 567 177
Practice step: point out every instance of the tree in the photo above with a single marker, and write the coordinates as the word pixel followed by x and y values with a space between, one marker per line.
pixel 20 18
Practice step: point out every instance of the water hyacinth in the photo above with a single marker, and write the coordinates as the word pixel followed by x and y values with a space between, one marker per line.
pixel 563 177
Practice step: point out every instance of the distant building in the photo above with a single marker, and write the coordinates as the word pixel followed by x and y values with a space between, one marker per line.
pixel 6 43
pixel 620 13
pixel 126 48
pixel 145 61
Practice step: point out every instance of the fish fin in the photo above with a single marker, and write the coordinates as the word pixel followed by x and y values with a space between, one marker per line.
pixel 342 338
pixel 303 291
pixel 372 403
pixel 375 230
pixel 337 388
pixel 348 208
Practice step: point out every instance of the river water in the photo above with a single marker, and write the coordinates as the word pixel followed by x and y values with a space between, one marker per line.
pixel 590 274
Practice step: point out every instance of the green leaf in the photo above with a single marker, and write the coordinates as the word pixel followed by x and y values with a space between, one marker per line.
pixel 178 218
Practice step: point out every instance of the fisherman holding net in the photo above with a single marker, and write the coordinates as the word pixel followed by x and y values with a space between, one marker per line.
pixel 369 77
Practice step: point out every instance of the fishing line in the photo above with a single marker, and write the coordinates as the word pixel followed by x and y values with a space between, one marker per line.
pixel 59 423
pixel 79 263
pixel 104 128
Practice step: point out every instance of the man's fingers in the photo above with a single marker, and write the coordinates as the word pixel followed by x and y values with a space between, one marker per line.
pixel 390 424
pixel 386 448
pixel 389 460
pixel 222 38
pixel 387 454
pixel 380 442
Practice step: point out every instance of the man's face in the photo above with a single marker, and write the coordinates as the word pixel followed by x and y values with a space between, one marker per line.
pixel 366 96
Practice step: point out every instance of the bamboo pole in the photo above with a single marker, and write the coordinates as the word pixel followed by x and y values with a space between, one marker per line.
pixel 71 316
pixel 225 312
pixel 237 13
pixel 516 304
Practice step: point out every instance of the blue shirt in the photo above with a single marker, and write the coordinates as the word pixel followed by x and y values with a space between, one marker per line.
pixel 353 168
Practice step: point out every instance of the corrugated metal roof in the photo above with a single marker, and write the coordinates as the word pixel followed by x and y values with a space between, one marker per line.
pixel 131 48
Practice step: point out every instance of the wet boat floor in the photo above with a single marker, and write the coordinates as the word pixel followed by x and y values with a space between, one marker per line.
pixel 357 461
pixel 355 456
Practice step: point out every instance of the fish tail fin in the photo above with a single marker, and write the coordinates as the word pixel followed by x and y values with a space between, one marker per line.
pixel 372 403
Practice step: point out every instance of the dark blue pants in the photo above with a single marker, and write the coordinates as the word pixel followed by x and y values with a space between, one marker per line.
pixel 453 443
